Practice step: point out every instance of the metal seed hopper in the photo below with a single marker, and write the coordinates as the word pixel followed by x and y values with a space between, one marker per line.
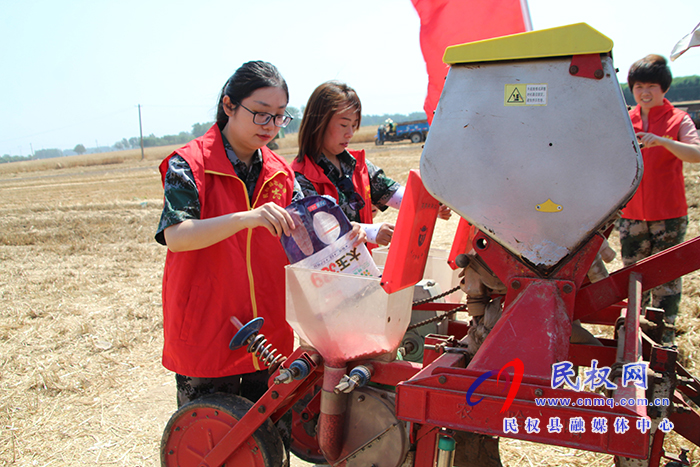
pixel 532 146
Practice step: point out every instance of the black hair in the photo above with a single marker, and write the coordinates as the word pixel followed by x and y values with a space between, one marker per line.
pixel 250 77
pixel 650 69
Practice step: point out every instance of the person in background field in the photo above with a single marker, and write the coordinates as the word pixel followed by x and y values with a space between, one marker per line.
pixel 656 217
pixel 223 214
pixel 389 125
pixel 325 165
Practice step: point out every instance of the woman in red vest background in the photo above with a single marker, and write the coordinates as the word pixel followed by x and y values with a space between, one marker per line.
pixel 656 217
pixel 325 165
pixel 223 214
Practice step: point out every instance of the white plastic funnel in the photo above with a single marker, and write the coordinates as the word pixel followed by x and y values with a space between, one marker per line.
pixel 346 317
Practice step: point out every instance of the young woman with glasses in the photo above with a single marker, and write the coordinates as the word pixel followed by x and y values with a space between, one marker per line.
pixel 223 214
pixel 325 165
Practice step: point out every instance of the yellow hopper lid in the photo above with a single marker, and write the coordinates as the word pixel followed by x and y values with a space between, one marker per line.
pixel 574 39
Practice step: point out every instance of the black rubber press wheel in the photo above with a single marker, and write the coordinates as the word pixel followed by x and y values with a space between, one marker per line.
pixel 198 426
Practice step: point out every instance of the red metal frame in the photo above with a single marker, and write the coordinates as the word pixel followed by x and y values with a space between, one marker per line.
pixel 670 264
pixel 536 308
pixel 534 327
pixel 537 312
pixel 275 403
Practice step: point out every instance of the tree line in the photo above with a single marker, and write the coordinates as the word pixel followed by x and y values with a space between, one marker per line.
pixel 682 89
pixel 198 129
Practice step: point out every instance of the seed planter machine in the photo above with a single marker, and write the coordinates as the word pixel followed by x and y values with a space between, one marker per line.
pixel 531 145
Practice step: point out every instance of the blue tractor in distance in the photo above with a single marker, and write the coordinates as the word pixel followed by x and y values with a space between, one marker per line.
pixel 416 131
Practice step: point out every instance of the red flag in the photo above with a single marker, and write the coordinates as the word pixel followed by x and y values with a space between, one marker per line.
pixel 450 22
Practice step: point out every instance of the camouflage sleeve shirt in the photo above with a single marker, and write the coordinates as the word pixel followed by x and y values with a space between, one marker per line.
pixel 181 197
pixel 382 188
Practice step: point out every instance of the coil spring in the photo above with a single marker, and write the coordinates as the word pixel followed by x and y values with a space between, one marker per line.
pixel 263 353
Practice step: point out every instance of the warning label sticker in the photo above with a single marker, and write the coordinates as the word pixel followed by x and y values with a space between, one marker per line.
pixel 525 94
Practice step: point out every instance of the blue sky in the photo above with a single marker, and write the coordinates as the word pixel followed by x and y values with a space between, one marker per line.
pixel 74 71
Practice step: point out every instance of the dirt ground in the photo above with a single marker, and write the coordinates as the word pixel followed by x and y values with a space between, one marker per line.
pixel 81 381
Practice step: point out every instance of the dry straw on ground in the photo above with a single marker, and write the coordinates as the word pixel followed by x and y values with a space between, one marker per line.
pixel 80 331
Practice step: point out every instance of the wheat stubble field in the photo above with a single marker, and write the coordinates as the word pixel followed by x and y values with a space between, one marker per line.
pixel 80 327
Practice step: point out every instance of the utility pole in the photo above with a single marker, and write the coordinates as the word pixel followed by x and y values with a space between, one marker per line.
pixel 141 132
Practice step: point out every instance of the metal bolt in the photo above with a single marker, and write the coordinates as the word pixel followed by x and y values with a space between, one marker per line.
pixel 274 394
pixel 539 392
pixel 567 288
pixel 462 260
pixel 304 416
pixel 442 379
pixel 598 74
pixel 573 69
pixel 361 398
pixel 515 284
pixel 261 409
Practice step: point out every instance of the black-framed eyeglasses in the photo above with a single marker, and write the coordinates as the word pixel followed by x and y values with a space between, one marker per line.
pixel 346 186
pixel 262 118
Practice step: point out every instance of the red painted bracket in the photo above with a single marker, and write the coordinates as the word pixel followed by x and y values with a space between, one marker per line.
pixel 587 66
pixel 655 270
pixel 278 395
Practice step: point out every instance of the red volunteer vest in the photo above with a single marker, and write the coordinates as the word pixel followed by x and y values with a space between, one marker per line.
pixel 241 276
pixel 661 193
